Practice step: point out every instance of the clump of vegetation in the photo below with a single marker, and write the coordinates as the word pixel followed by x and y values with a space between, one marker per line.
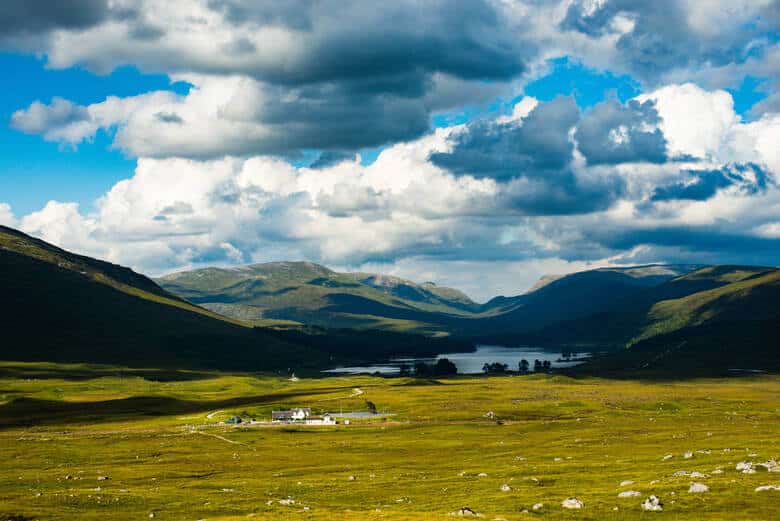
pixel 495 368
pixel 442 367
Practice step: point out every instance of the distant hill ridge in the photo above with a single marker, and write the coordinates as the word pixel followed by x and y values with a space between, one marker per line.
pixel 61 307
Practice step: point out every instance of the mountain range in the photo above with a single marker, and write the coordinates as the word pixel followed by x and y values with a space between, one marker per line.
pixel 642 316
pixel 60 306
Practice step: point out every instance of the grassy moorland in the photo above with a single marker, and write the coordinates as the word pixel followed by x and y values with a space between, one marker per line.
pixel 451 443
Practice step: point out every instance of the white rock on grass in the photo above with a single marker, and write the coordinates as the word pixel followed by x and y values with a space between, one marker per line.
pixel 537 506
pixel 626 483
pixel 505 488
pixel 465 512
pixel 652 504
pixel 572 502
pixel 482 475
pixel 688 455
pixel 746 467
pixel 697 488
pixel 629 493
pixel 287 502
pixel 667 457
pixel 765 488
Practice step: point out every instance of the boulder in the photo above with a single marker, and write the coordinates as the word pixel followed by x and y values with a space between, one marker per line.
pixel 652 504
pixel 698 488
pixel 572 502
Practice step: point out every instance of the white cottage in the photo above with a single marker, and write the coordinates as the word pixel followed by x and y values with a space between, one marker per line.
pixel 293 415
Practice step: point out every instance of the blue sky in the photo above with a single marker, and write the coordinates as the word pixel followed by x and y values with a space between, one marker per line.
pixel 568 137
pixel 85 172
pixel 33 171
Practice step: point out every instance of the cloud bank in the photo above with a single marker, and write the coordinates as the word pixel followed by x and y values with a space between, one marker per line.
pixel 674 174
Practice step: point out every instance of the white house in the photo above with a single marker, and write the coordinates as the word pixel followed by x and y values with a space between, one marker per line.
pixel 294 415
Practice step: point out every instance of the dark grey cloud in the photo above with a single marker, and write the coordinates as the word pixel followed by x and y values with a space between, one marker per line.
pixel 536 147
pixel 534 158
pixel 563 194
pixel 718 242
pixel 335 117
pixel 353 39
pixel 662 38
pixel 25 17
pixel 704 184
pixel 612 133
pixel 293 14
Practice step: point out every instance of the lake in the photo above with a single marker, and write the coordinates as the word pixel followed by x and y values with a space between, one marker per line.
pixel 469 363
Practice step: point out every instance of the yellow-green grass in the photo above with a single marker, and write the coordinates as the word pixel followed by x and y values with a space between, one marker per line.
pixel 158 438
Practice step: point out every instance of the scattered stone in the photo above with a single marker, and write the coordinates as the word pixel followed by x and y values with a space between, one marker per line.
pixel 557 459
pixel 537 506
pixel 505 488
pixel 151 515
pixel 519 458
pixel 764 488
pixel 287 502
pixel 351 478
pixel 629 493
pixel 626 483
pixel 717 471
pixel 482 475
pixel 572 502
pixel 652 504
pixel 667 457
pixel 465 512
pixel 490 415
pixel 697 488
pixel 769 465
pixel 688 455
pixel 746 467
pixel 103 478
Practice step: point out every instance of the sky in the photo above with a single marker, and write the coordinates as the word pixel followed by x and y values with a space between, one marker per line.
pixel 479 144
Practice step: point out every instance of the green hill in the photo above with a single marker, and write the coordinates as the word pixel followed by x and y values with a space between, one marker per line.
pixel 565 299
pixel 315 295
pixel 713 319
pixel 58 306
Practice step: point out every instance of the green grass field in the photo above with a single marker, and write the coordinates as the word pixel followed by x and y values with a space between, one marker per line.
pixel 157 437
